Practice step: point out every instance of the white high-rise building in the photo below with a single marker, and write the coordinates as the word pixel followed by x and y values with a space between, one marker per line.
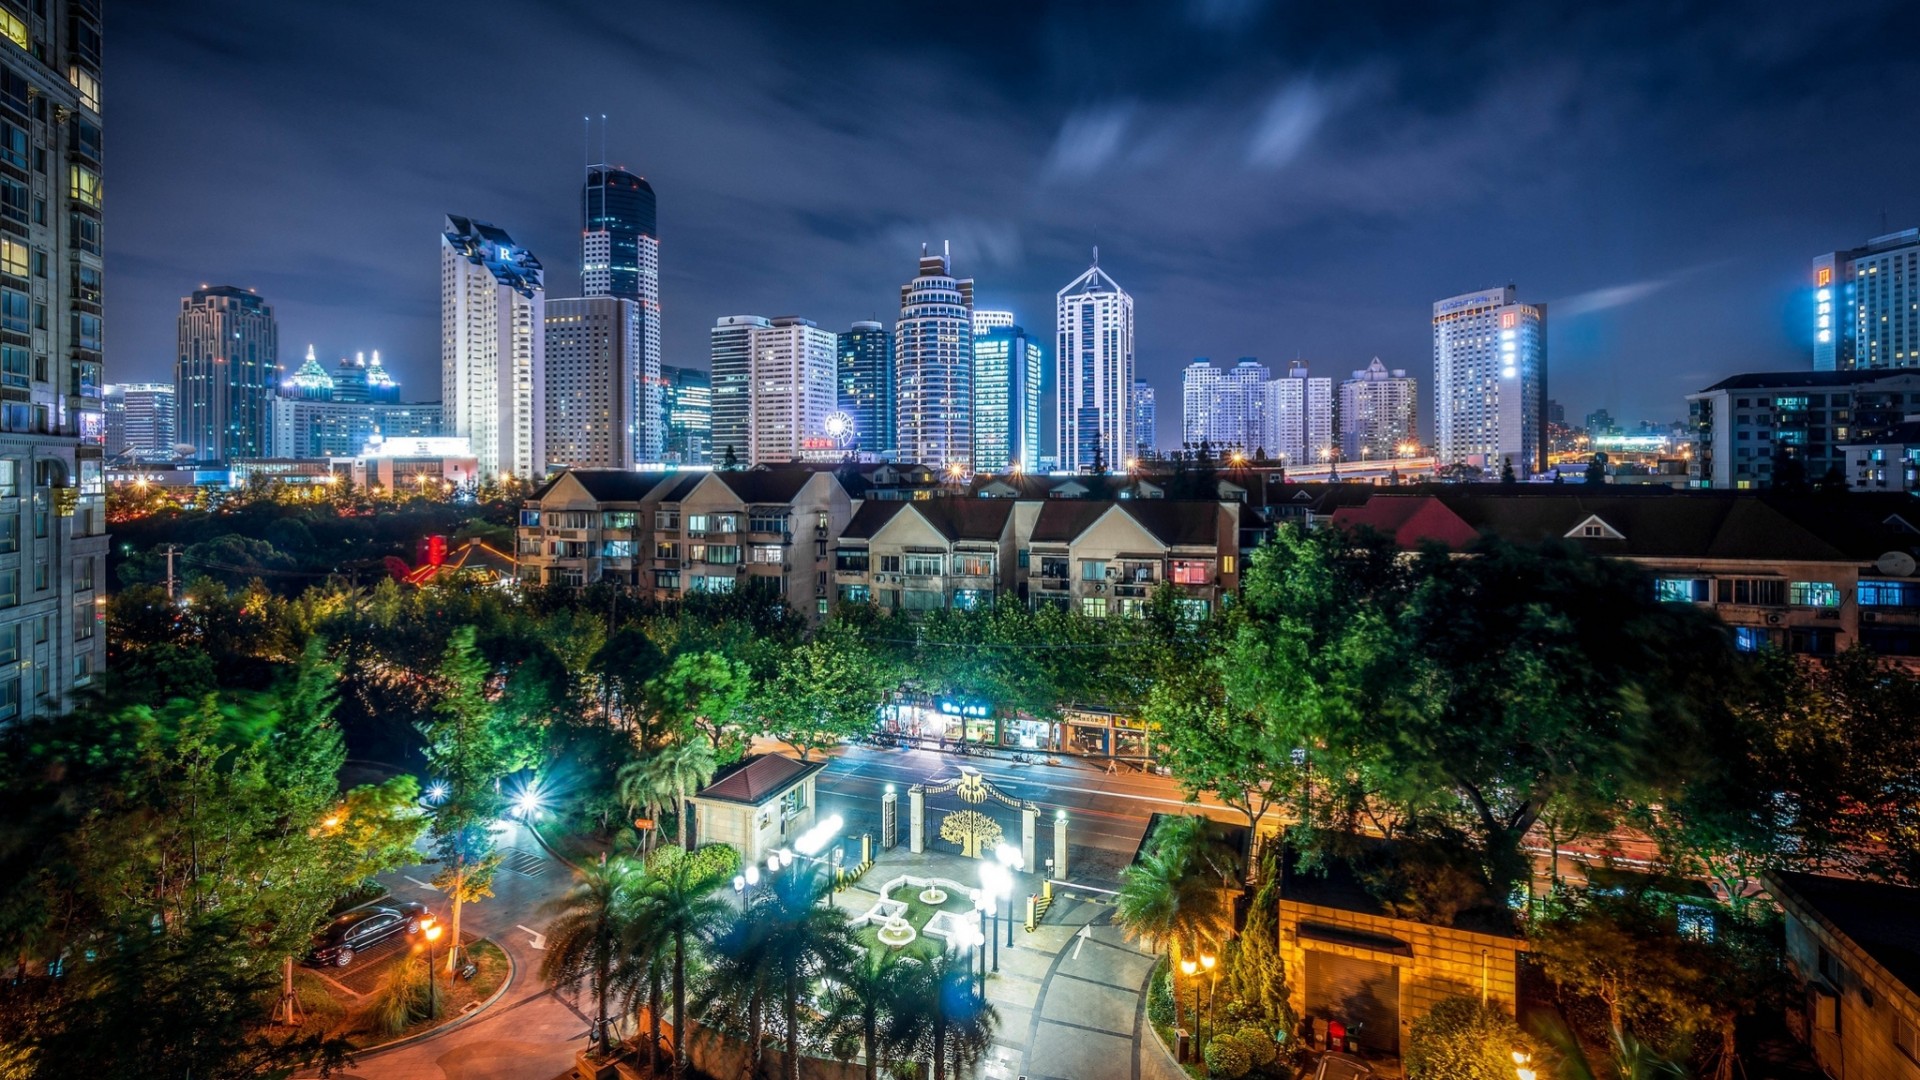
pixel 1093 318
pixel 1199 395
pixel 933 367
pixel 600 382
pixel 1866 305
pixel 1378 414
pixel 1007 366
pixel 493 347
pixel 1490 382
pixel 793 389
pixel 731 352
pixel 1299 419
pixel 985 320
pixel 1143 418
pixel 1227 409
pixel 140 419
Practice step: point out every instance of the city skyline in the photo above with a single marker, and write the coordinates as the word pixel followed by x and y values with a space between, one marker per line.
pixel 1643 260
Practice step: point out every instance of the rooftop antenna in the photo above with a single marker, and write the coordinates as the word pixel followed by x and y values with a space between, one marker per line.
pixel 1096 254
pixel 946 253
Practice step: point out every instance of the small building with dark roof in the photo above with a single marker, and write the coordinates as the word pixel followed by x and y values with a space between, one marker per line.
pixel 758 805
pixel 1745 426
pixel 1854 946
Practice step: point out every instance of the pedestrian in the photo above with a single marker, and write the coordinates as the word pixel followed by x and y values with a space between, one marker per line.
pixel 1112 767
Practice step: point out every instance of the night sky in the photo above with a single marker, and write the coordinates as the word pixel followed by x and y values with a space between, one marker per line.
pixel 1271 179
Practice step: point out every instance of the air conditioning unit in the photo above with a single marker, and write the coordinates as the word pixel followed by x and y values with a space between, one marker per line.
pixel 1773 618
pixel 1869 616
pixel 1112 573
pixel 1102 587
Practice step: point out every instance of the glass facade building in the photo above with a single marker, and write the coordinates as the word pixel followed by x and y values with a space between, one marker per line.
pixel 1490 382
pixel 1007 367
pixel 688 405
pixel 226 374
pixel 1866 305
pixel 1094 359
pixel 933 365
pixel 866 385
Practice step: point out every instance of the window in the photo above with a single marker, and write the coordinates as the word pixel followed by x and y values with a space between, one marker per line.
pixel 711 583
pixel 721 554
pixel 889 564
pixel 971 599
pixel 1680 590
pixel 83 185
pixel 16 365
pixel 922 600
pixel 84 231
pixel 856 594
pixel 9 699
pixel 1093 606
pixel 82 574
pixel 9 644
pixel 666 520
pixel 697 524
pixel 86 328
pixel 850 560
pixel 768 554
pixel 1192 571
pixel 666 549
pixel 973 564
pixel 1811 641
pixel 1889 594
pixel 15 30
pixel 1906 1038
pixel 88 84
pixel 9 588
pixel 1093 569
pixel 529 519
pixel 9 533
pixel 922 565
pixel 616 549
pixel 764 521
pixel 667 579
pixel 1763 592
pixel 1226 564
pixel 1051 567
pixel 15 312
pixel 83 621
pixel 1813 594
pixel 1191 609
pixel 726 523
pixel 82 669
pixel 13 257
pixel 1751 639
pixel 617 519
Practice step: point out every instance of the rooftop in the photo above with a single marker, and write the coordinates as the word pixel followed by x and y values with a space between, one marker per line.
pixel 1808 380
pixel 758 779
pixel 1877 918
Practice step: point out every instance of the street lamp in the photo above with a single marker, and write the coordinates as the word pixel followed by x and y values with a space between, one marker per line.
pixel 1187 968
pixel 1206 962
pixel 1010 858
pixel 432 931
pixel 1520 1061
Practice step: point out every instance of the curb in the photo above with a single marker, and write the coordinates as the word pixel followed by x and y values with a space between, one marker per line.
pixel 551 850
pixel 513 970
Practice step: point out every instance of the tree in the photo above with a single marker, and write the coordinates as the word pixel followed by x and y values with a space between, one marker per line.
pixel 940 1017
pixel 1649 976
pixel 858 1016
pixel 1211 747
pixel 806 942
pixel 681 907
pixel 826 690
pixel 678 769
pixel 1169 900
pixel 1461 1039
pixel 729 461
pixel 1596 469
pixel 466 752
pixel 1255 976
pixel 703 693
pixel 589 922
pixel 1506 471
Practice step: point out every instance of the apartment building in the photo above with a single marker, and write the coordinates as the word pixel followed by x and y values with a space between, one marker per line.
pixel 926 555
pixel 1850 947
pixel 669 535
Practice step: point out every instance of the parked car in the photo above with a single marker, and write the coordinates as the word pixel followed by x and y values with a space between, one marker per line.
pixel 363 927
pixel 1335 1066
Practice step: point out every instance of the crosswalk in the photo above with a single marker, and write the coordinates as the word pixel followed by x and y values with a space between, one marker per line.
pixel 525 863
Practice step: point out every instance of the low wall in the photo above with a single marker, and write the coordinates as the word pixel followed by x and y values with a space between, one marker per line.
pixel 717 1054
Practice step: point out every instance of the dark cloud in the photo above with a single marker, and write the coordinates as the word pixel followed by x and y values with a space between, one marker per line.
pixel 1268 178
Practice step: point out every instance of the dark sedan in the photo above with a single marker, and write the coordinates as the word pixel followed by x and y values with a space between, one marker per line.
pixel 363 927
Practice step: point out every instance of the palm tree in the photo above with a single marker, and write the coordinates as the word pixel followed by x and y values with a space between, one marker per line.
pixel 863 1009
pixel 1201 844
pixel 584 936
pixel 681 907
pixel 736 980
pixel 681 768
pixel 805 942
pixel 635 788
pixel 1165 903
pixel 941 1016
pixel 645 951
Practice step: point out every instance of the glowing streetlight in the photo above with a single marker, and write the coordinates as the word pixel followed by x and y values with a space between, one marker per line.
pixel 437 792
pixel 432 932
pixel 1187 968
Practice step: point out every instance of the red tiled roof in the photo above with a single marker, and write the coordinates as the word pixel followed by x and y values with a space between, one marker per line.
pixel 758 779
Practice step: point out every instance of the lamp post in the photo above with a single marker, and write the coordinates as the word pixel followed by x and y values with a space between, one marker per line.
pixel 1521 1059
pixel 1011 860
pixel 432 932
pixel 1213 981
pixel 1187 968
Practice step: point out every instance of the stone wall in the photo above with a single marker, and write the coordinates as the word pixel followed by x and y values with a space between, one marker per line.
pixel 716 1054
pixel 1437 962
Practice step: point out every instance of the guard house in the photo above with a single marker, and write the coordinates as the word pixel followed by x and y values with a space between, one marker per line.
pixel 1353 962
pixel 758 805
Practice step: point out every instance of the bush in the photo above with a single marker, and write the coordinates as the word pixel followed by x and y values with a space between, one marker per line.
pixel 400 1000
pixel 1259 1046
pixel 1462 1040
pixel 1160 1007
pixel 1228 1057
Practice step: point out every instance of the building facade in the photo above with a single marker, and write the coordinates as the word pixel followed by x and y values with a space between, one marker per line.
pixel 1866 305
pixel 599 385
pixel 1379 414
pixel 52 425
pixel 1748 428
pixel 792 390
pixel 1008 365
pixel 1226 409
pixel 933 367
pixel 985 320
pixel 687 404
pixel 1144 432
pixel 226 373
pixel 1093 360
pixel 620 258
pixel 1850 949
pixel 866 389
pixel 299 428
pixel 1490 382
pixel 1298 419
pixel 493 347
pixel 731 357
pixel 140 418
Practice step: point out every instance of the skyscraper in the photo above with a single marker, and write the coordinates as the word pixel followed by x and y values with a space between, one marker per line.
pixel 356 378
pixel 731 343
pixel 597 384
pixel 986 319
pixel 1298 419
pixel 1199 394
pixel 1866 305
pixel 866 390
pixel 1490 382
pixel 51 420
pixel 793 388
pixel 1094 358
pixel 1226 409
pixel 1007 368
pixel 493 347
pixel 688 408
pixel 140 418
pixel 933 365
pixel 1143 419
pixel 226 373
pixel 1377 413
pixel 620 257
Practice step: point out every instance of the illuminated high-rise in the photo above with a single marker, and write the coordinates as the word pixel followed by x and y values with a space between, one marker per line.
pixel 620 257
pixel 1866 305
pixel 1377 411
pixel 866 386
pixel 1490 382
pixel 1007 368
pixel 1093 320
pixel 226 373
pixel 1144 424
pixel 933 366
pixel 493 347
pixel 687 404
pixel 598 385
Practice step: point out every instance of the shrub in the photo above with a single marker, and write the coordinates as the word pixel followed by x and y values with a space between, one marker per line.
pixel 1227 1057
pixel 1259 1046
pixel 1462 1040
pixel 1160 1006
pixel 400 999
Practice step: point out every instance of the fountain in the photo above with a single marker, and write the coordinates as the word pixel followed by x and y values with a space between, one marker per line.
pixel 933 896
pixel 896 933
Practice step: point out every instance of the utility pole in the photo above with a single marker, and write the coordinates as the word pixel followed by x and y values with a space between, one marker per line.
pixel 170 551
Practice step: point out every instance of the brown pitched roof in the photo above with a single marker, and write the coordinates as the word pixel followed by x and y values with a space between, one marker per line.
pixel 872 515
pixel 1174 522
pixel 758 779
pixel 768 485
pixel 609 485
pixel 1062 520
pixel 966 519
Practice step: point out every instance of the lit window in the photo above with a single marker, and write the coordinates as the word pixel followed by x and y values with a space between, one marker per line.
pixel 1813 594
pixel 84 185
pixel 15 29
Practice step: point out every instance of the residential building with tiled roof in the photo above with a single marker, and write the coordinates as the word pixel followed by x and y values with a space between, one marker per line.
pixel 1854 947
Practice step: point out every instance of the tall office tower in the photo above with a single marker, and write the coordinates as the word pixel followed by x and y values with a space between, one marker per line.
pixel 793 389
pixel 866 385
pixel 1143 421
pixel 688 406
pixel 144 415
pixel 1866 305
pixel 1298 421
pixel 599 384
pixel 356 378
pixel 620 256
pixel 1490 382
pixel 493 347
pixel 1226 409
pixel 732 365
pixel 1007 368
pixel 1094 322
pixel 310 382
pixel 1377 413
pixel 1199 394
pixel 933 366
pixel 985 320
pixel 226 373
pixel 52 424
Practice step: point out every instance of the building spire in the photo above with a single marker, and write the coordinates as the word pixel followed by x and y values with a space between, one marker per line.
pixel 1096 254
